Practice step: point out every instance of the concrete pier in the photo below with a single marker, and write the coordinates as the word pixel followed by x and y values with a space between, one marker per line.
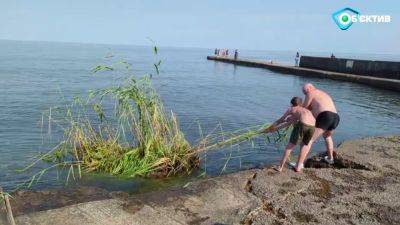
pixel 374 68
pixel 384 83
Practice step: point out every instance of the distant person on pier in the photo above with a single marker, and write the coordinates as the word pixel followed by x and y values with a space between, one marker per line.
pixel 296 60
pixel 215 52
pixel 303 129
pixel 236 54
pixel 327 120
pixel 226 52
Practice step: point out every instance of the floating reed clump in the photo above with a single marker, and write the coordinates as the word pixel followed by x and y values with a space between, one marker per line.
pixel 145 141
pixel 138 137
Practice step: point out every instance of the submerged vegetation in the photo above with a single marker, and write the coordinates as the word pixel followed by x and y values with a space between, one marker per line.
pixel 133 137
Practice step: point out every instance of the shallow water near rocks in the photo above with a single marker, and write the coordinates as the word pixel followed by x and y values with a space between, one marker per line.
pixel 35 76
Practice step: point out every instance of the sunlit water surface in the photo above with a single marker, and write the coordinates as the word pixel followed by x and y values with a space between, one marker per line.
pixel 35 76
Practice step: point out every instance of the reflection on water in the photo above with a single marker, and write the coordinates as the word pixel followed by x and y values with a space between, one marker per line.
pixel 35 76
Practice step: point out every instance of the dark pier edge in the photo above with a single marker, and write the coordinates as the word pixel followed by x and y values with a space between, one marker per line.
pixel 384 83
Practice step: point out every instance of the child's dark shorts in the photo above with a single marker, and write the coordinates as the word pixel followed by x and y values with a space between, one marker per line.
pixel 301 133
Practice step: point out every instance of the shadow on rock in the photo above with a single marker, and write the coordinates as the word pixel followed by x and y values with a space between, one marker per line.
pixel 340 163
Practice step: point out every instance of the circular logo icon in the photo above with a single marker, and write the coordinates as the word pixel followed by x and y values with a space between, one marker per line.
pixel 344 18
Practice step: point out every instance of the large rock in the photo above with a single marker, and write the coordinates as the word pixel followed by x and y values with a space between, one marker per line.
pixel 362 187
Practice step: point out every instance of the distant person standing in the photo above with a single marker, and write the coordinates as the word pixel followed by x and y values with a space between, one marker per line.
pixel 215 51
pixel 236 54
pixel 227 52
pixel 296 59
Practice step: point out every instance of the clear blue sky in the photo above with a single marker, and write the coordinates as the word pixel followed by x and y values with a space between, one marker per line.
pixel 252 24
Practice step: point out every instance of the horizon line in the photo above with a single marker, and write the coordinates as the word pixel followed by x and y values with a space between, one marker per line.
pixel 195 47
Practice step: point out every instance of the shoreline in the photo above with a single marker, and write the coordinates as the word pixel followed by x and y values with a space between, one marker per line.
pixel 362 187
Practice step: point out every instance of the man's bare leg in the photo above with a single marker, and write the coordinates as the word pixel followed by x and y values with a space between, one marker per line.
pixel 288 150
pixel 305 149
pixel 329 143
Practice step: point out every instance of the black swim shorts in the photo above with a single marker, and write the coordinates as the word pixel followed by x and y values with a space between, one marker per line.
pixel 327 120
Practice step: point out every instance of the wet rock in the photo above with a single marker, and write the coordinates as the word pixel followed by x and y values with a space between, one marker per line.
pixel 133 206
pixel 362 187
pixel 26 201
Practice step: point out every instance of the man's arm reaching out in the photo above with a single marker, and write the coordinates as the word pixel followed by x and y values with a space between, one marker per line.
pixel 280 123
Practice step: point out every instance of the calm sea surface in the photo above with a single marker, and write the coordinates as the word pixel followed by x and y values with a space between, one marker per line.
pixel 35 76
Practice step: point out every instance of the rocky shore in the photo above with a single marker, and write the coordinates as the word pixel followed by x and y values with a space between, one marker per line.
pixel 362 187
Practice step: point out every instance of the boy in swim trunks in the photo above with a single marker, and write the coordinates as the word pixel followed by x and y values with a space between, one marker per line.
pixel 304 125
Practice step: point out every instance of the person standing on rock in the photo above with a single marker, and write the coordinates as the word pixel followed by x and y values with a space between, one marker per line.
pixel 327 119
pixel 303 130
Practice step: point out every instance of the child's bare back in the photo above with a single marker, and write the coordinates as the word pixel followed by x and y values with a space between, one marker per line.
pixel 303 115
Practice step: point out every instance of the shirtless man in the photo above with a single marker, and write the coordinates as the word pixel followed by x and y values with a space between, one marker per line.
pixel 303 129
pixel 327 119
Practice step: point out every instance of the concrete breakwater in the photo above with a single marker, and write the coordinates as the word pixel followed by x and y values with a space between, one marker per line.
pixel 362 187
pixel 381 69
pixel 384 83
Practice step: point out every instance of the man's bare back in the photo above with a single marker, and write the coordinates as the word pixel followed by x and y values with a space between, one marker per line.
pixel 319 101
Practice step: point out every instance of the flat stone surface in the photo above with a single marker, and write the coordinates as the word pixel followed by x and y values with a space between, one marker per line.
pixel 362 187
